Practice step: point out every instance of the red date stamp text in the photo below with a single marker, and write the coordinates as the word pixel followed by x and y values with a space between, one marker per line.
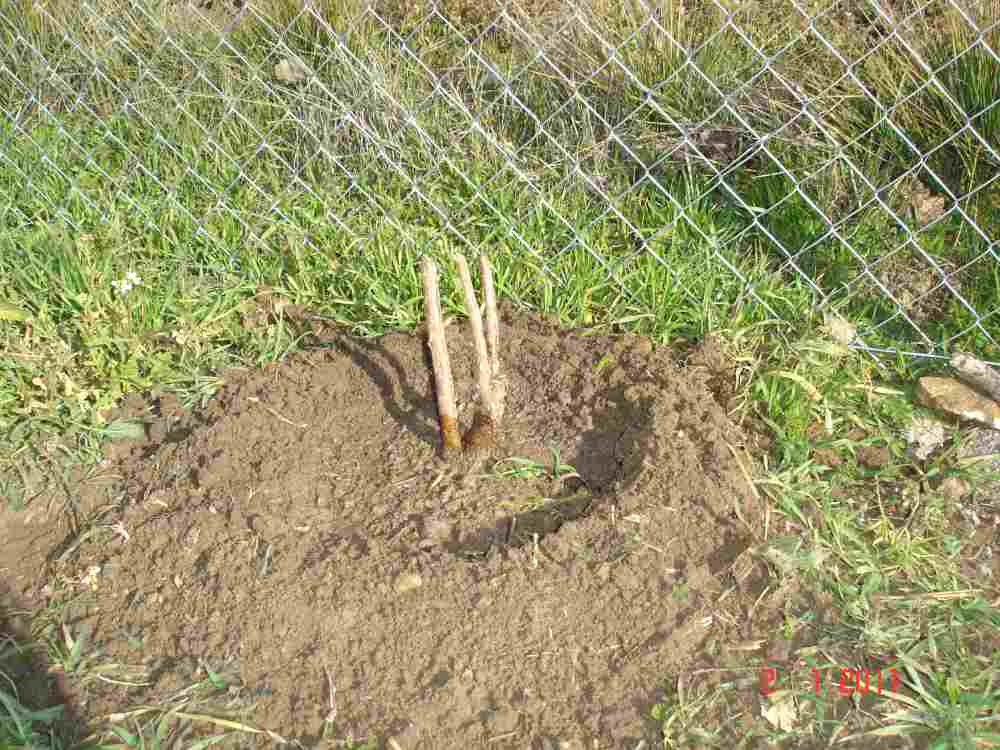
pixel 846 681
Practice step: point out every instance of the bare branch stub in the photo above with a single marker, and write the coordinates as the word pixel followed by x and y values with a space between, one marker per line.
pixel 484 371
pixel 492 321
pixel 492 384
pixel 481 434
pixel 499 381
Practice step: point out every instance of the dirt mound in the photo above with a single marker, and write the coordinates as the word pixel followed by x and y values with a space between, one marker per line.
pixel 301 531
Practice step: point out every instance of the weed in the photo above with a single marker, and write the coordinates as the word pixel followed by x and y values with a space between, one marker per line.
pixel 682 713
pixel 84 662
pixel 524 468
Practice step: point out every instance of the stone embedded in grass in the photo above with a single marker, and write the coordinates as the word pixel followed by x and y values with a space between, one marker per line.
pixel 927 207
pixel 924 436
pixel 780 713
pixel 840 330
pixel 291 70
pixel 954 397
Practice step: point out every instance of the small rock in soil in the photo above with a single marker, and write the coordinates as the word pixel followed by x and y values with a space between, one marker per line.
pixel 925 435
pixel 954 397
pixel 408 582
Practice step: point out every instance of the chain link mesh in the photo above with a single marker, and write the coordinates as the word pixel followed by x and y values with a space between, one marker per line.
pixel 849 149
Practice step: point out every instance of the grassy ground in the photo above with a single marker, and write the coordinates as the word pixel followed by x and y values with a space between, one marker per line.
pixel 161 186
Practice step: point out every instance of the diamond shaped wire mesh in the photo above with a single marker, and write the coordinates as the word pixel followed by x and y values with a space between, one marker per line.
pixel 846 152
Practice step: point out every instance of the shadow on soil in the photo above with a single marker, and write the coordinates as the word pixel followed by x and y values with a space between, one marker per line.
pixel 608 461
pixel 30 681
pixel 365 354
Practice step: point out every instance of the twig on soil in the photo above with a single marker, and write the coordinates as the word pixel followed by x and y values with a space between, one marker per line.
pixel 445 386
pixel 977 374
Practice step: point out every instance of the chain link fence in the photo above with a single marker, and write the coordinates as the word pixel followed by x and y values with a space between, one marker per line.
pixel 790 155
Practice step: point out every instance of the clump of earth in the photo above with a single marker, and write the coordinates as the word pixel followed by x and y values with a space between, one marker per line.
pixel 302 535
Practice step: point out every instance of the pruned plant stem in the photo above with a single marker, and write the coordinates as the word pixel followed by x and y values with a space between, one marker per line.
pixel 492 323
pixel 499 392
pixel 447 411
pixel 977 374
pixel 483 368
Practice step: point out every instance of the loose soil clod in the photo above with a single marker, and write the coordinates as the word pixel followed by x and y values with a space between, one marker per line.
pixel 481 435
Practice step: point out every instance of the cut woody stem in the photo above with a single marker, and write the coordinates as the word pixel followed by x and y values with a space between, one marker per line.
pixel 492 384
pixel 499 384
pixel 492 324
pixel 484 370
pixel 447 411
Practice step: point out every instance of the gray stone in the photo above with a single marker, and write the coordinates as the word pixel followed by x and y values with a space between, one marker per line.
pixel 954 397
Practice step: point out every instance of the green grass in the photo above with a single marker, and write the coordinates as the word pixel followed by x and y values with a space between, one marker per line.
pixel 224 189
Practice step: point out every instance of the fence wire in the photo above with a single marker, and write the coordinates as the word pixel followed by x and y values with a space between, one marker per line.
pixel 839 157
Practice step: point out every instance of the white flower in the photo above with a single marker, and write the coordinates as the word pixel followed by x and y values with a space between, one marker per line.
pixel 124 286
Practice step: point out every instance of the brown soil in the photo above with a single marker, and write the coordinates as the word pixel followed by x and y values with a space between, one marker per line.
pixel 302 530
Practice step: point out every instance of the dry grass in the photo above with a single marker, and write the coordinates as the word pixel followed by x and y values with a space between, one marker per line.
pixel 630 61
